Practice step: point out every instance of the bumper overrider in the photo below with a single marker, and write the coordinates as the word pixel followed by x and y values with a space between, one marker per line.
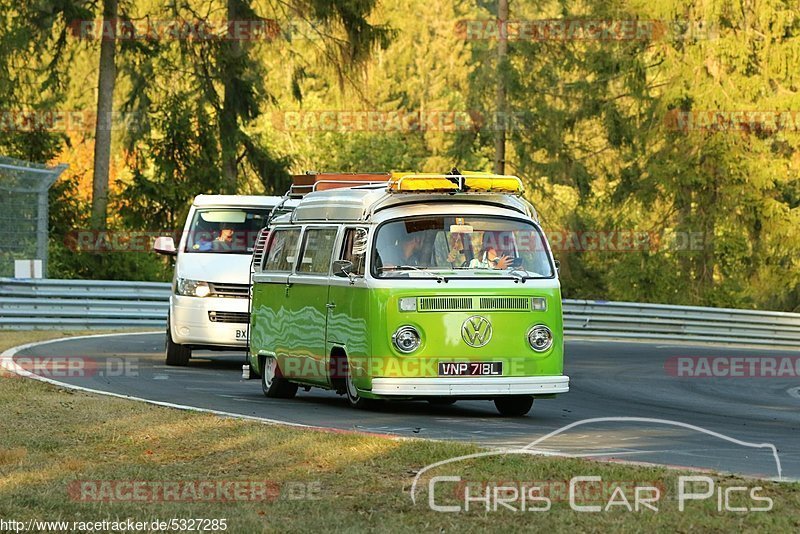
pixel 471 386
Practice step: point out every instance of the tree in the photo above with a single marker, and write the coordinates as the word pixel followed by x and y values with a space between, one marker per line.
pixel 107 74
pixel 500 98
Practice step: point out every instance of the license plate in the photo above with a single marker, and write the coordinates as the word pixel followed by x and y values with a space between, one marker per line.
pixel 241 334
pixel 470 368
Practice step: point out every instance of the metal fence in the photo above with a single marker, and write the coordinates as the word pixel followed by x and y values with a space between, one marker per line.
pixel 24 211
pixel 630 320
pixel 82 304
pixel 91 304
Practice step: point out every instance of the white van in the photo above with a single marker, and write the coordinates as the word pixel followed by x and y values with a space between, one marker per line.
pixel 208 307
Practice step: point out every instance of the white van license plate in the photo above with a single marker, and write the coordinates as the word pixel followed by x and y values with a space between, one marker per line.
pixel 241 334
pixel 470 368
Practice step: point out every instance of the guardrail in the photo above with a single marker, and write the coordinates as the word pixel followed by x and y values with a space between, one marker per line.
pixel 92 304
pixel 630 320
pixel 47 304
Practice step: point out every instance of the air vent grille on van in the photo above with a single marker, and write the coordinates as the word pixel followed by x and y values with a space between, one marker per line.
pixel 445 303
pixel 432 304
pixel 505 303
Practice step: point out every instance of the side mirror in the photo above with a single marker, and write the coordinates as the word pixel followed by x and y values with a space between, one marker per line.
pixel 558 265
pixel 165 245
pixel 343 268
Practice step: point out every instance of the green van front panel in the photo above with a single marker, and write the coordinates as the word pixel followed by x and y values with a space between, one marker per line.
pixel 291 323
pixel 439 318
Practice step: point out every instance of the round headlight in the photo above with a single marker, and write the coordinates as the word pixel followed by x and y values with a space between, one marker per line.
pixel 540 338
pixel 202 290
pixel 406 339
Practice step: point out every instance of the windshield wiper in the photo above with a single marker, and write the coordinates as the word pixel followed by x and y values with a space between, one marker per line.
pixel 518 276
pixel 439 278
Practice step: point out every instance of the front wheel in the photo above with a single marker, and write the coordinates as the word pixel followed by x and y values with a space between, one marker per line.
pixel 515 406
pixel 177 355
pixel 273 384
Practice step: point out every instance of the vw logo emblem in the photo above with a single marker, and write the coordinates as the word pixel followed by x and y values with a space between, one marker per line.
pixel 476 331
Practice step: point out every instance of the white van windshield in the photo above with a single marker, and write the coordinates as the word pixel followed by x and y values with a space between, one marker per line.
pixel 226 230
pixel 471 246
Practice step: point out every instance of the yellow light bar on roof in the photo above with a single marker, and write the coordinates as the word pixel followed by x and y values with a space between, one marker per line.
pixel 469 182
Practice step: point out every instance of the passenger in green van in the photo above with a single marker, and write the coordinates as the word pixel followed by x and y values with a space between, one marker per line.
pixel 488 257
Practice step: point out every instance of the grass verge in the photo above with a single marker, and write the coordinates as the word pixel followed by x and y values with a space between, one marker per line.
pixel 71 456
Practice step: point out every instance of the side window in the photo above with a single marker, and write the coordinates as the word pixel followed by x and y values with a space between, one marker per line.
pixel 355 248
pixel 317 251
pixel 282 249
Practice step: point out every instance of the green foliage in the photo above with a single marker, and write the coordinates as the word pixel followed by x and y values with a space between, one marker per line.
pixel 93 258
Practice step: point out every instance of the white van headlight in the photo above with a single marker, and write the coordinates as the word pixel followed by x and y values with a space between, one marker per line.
pixel 540 338
pixel 406 339
pixel 192 288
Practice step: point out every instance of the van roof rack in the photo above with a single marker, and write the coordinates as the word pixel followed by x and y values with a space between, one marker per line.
pixel 455 182
pixel 311 181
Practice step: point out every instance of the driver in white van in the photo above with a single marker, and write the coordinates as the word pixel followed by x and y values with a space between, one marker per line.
pixel 225 238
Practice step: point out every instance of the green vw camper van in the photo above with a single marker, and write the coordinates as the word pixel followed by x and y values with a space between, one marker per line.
pixel 436 287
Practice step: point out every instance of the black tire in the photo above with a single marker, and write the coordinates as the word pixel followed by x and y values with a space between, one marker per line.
pixel 515 406
pixel 273 384
pixel 177 355
pixel 356 400
pixel 444 401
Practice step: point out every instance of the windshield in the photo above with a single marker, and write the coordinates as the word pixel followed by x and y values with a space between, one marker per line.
pixel 450 246
pixel 226 230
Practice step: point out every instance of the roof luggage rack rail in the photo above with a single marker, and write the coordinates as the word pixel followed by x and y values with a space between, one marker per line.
pixel 302 184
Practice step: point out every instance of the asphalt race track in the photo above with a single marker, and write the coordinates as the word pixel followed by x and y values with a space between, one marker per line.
pixel 608 379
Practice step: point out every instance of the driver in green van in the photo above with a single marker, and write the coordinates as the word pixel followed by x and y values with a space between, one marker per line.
pixel 399 250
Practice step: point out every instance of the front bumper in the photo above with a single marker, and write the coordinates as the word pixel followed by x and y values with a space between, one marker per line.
pixel 470 386
pixel 190 323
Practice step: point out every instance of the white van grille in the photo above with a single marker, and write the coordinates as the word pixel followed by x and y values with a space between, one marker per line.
pixel 229 290
pixel 228 317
